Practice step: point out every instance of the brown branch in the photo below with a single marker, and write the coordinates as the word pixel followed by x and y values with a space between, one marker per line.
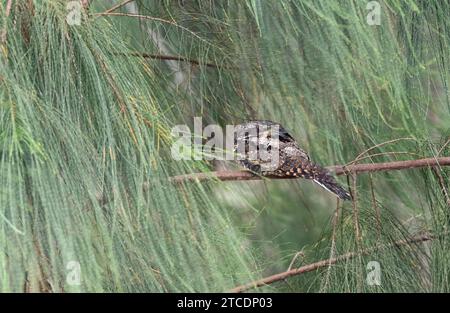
pixel 328 262
pixel 390 166
pixel 143 17
pixel 158 19
pixel 170 58
pixel 337 169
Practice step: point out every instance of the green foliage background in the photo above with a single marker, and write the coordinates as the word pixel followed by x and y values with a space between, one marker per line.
pixel 85 136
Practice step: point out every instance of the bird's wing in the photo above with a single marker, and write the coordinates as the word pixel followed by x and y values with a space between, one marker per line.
pixel 265 126
pixel 284 136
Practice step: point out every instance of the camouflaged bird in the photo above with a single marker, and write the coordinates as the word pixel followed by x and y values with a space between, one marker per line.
pixel 259 143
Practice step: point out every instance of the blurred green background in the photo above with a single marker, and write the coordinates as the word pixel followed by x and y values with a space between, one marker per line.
pixel 87 104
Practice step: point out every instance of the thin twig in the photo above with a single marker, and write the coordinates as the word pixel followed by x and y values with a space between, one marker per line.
pixel 395 153
pixel 152 18
pixel 443 147
pixel 337 169
pixel 117 6
pixel 333 243
pixel 354 191
pixel 323 263
pixel 375 206
pixel 438 174
pixel 355 209
pixel 298 254
pixel 442 184
pixel 377 146
pixel 169 57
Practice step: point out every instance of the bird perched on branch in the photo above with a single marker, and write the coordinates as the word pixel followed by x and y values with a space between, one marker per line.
pixel 268 149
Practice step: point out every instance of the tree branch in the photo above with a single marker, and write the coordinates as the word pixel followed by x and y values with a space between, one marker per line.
pixel 171 58
pixel 324 263
pixel 337 169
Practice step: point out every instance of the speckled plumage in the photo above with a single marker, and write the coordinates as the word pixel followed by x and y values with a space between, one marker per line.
pixel 254 137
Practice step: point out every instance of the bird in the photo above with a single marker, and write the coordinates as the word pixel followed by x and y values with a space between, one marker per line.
pixel 267 148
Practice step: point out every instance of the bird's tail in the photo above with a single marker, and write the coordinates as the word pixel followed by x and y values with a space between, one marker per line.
pixel 332 186
pixel 321 177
